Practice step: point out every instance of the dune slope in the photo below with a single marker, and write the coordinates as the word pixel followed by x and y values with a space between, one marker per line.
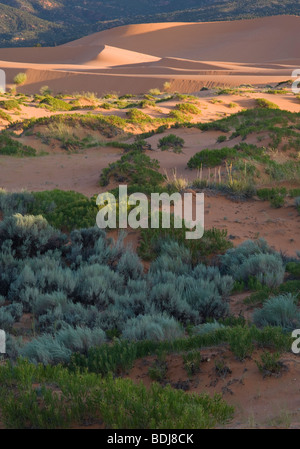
pixel 189 55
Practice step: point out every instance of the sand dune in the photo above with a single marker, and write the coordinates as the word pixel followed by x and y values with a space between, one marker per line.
pixel 135 58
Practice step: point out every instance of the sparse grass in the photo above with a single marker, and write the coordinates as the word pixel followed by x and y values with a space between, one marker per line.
pixel 187 108
pixel 269 364
pixel 55 104
pixel 10 105
pixel 266 104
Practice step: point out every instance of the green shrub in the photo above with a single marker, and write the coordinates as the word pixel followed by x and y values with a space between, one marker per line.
pixel 136 169
pixel 20 78
pixel 269 364
pixel 192 361
pixel 55 104
pixel 171 141
pixel 87 397
pixel 212 158
pixel 266 104
pixel 12 147
pixel 293 268
pixel 137 116
pixel 275 195
pixel 10 105
pixel 187 108
pixel 221 139
pixel 241 342
pixel 5 116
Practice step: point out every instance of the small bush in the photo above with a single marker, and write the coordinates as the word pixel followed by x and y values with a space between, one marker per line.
pixel 45 90
pixel 279 311
pixel 269 364
pixel 192 361
pixel 20 78
pixel 187 108
pixel 55 104
pixel 171 141
pixel 212 158
pixel 241 342
pixel 152 327
pixel 266 104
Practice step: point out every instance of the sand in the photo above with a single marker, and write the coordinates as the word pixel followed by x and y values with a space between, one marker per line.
pixel 135 58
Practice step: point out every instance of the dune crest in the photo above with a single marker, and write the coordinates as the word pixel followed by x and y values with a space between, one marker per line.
pixel 135 58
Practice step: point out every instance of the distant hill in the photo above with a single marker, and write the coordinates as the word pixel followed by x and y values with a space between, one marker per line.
pixel 54 22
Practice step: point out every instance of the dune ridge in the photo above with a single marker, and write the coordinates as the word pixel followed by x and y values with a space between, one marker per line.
pixel 135 58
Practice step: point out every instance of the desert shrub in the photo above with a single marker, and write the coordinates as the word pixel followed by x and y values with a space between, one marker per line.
pixel 154 91
pixel 275 195
pixel 254 259
pixel 294 193
pixel 55 104
pixel 158 370
pixel 87 396
pixel 269 364
pixel 293 268
pixel 12 147
pixel 241 342
pixel 29 235
pixel 129 266
pixel 171 141
pixel 47 302
pixel 266 104
pixel 13 203
pixel 167 299
pixel 212 158
pixel 206 328
pixel 178 116
pixel 66 210
pixel 46 350
pixel 136 169
pixel 214 241
pixel 6 319
pixel 16 310
pixel 188 108
pixel 20 78
pixel 152 327
pixel 45 90
pixel 191 362
pixel 137 116
pixel 268 269
pixel 91 245
pixel 278 311
pixel 10 105
pixel 97 284
pixel 221 139
pixel 80 339
pixel 5 116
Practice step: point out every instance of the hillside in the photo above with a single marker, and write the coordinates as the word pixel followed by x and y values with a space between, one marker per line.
pixel 28 22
